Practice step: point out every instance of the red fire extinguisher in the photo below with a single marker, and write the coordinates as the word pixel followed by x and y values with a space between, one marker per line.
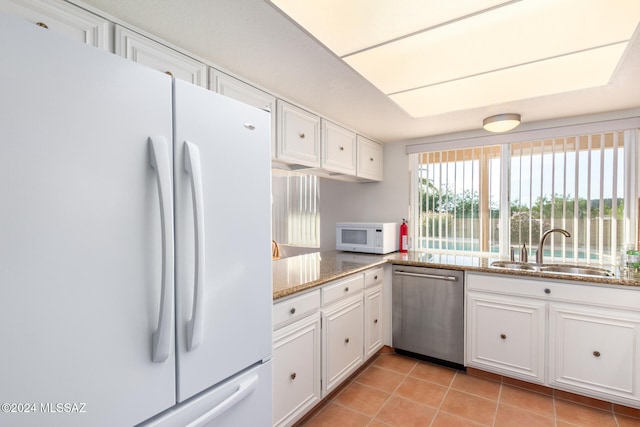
pixel 404 237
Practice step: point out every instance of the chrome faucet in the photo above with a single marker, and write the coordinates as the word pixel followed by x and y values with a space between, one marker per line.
pixel 539 256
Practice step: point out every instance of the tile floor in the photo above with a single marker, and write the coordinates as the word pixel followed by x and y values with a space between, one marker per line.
pixel 396 390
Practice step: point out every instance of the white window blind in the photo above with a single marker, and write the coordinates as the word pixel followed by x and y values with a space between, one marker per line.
pixel 459 199
pixel 575 183
pixel 295 208
pixel 489 198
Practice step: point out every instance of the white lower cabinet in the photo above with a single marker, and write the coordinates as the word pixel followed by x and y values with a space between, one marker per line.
pixel 594 351
pixel 506 335
pixel 320 339
pixel 296 369
pixel 587 336
pixel 342 341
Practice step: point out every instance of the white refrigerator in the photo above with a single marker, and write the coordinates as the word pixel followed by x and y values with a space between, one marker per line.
pixel 135 242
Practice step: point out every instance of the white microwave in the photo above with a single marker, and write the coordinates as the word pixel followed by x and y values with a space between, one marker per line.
pixel 367 237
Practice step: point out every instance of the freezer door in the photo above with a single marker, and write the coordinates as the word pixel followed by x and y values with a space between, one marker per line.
pixel 243 400
pixel 80 237
pixel 223 237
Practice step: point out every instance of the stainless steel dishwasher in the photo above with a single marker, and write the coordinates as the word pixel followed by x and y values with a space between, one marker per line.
pixel 428 314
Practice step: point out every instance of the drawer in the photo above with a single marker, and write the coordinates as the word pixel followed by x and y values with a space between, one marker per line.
pixel 373 276
pixel 289 310
pixel 343 288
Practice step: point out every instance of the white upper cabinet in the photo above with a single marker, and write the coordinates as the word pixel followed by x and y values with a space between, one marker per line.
pixel 62 17
pixel 369 159
pixel 145 51
pixel 229 86
pixel 298 138
pixel 338 148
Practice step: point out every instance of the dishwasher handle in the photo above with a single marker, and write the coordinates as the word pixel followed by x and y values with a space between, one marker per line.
pixel 427 276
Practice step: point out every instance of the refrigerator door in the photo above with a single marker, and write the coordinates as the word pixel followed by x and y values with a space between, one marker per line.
pixel 223 237
pixel 81 240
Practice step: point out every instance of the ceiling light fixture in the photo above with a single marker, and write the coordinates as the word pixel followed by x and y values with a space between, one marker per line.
pixel 501 122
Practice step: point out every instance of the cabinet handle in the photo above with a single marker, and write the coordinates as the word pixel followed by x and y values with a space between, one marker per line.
pixel 346 289
pixel 371 159
pixel 292 376
pixel 503 336
pixel 375 277
pixel 596 353
pixel 169 73
pixel 293 310
pixel 375 320
pixel 341 148
pixel 301 135
pixel 547 291
pixel 346 340
pixel 43 25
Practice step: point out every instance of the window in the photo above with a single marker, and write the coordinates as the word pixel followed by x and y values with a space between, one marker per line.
pixel 295 208
pixel 486 199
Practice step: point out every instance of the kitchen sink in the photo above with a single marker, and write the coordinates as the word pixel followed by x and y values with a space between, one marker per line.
pixel 514 265
pixel 576 270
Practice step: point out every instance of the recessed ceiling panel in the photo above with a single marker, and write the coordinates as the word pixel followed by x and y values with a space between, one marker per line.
pixel 434 56
pixel 518 34
pixel 347 26
pixel 527 81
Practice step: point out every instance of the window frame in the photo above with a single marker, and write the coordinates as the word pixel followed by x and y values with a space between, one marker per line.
pixel 630 127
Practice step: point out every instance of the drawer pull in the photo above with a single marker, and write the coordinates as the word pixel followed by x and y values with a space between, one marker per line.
pixel 375 277
pixel 596 353
pixel 371 159
pixel 346 289
pixel 42 24
pixel 301 135
pixel 503 336
pixel 341 148
pixel 346 340
pixel 293 310
pixel 292 376
pixel 375 321
pixel 547 290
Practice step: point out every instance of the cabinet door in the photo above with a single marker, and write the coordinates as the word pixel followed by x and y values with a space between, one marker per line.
pixel 298 135
pixel 342 340
pixel 369 159
pixel 506 335
pixel 83 248
pixel 62 17
pixel 296 369
pixel 594 350
pixel 229 86
pixel 372 320
pixel 145 51
pixel 338 148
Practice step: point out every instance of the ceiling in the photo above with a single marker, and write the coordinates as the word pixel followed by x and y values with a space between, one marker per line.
pixel 253 39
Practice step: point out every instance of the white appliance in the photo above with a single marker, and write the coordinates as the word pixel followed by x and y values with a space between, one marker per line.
pixel 368 237
pixel 135 271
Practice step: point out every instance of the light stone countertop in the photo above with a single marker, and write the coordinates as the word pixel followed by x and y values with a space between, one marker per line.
pixel 303 272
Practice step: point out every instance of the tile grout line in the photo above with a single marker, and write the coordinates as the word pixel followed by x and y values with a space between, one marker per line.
pixel 444 397
pixel 394 391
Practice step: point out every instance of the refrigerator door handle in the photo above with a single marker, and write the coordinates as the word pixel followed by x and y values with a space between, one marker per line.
pixel 159 160
pixel 192 166
pixel 244 389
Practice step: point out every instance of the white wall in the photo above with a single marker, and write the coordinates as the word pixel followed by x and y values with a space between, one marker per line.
pixel 386 201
